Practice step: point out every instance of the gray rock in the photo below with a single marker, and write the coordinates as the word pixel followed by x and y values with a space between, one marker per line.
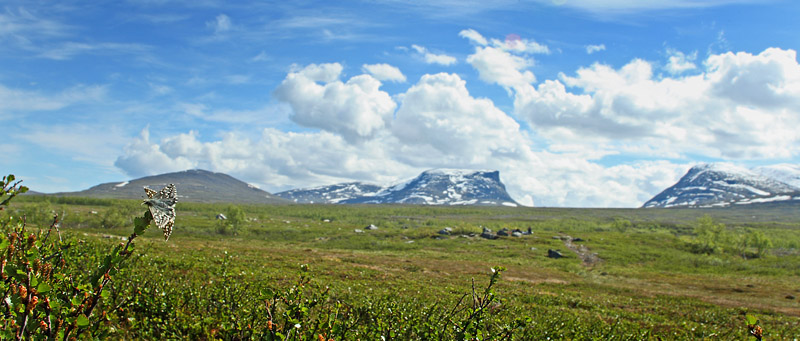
pixel 487 233
pixel 488 236
pixel 554 254
pixel 577 239
pixel 503 232
pixel 516 234
pixel 445 231
pixel 221 217
pixel 371 227
pixel 358 231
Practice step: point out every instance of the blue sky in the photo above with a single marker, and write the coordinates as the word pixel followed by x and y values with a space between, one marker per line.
pixel 576 102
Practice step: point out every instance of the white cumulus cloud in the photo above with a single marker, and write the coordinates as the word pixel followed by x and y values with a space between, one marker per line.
pixel 433 58
pixel 440 115
pixel 473 36
pixel 740 106
pixel 141 158
pixel 356 109
pixel 384 72
pixel 679 62
pixel 500 67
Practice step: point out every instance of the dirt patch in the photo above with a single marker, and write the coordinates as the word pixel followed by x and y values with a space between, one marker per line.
pixel 588 257
pixel 535 280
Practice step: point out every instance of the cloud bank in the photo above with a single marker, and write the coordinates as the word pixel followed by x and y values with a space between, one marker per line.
pixel 549 145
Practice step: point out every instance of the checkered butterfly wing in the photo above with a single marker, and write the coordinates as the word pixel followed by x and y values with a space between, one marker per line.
pixel 162 207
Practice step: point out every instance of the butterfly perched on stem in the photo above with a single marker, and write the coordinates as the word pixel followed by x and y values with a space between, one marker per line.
pixel 162 207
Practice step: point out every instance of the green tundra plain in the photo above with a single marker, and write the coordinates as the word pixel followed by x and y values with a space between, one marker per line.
pixel 304 272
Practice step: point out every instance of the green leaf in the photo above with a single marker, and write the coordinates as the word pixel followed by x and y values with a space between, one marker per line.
pixel 751 320
pixel 140 225
pixel 82 321
pixel 105 294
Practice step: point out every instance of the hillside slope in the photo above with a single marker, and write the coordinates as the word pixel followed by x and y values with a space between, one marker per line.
pixel 194 185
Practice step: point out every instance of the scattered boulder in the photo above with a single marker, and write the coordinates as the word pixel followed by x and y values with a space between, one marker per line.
pixel 326 220
pixel 516 234
pixel 503 232
pixel 358 231
pixel 578 239
pixel 487 233
pixel 221 217
pixel 790 297
pixel 445 231
pixel 554 254
pixel 371 227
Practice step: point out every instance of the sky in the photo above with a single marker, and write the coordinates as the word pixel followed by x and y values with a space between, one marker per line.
pixel 578 103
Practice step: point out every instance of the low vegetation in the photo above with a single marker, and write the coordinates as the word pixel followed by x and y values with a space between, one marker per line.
pixel 281 272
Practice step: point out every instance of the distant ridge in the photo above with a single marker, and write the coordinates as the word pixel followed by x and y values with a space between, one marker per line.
pixel 723 185
pixel 194 185
pixel 432 187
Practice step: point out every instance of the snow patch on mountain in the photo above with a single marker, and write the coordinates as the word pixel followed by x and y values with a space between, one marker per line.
pixel 786 173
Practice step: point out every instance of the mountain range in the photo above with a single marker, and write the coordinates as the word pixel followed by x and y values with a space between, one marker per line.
pixel 705 185
pixel 724 185
pixel 432 187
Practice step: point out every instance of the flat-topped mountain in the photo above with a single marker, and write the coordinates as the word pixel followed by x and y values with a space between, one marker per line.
pixel 722 184
pixel 194 185
pixel 432 187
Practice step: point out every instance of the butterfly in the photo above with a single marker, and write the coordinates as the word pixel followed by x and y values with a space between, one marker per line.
pixel 162 207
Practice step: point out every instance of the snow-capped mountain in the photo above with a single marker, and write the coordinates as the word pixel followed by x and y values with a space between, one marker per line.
pixel 723 184
pixel 433 187
pixel 332 194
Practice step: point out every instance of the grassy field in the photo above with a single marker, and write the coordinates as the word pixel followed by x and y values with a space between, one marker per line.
pixel 633 273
